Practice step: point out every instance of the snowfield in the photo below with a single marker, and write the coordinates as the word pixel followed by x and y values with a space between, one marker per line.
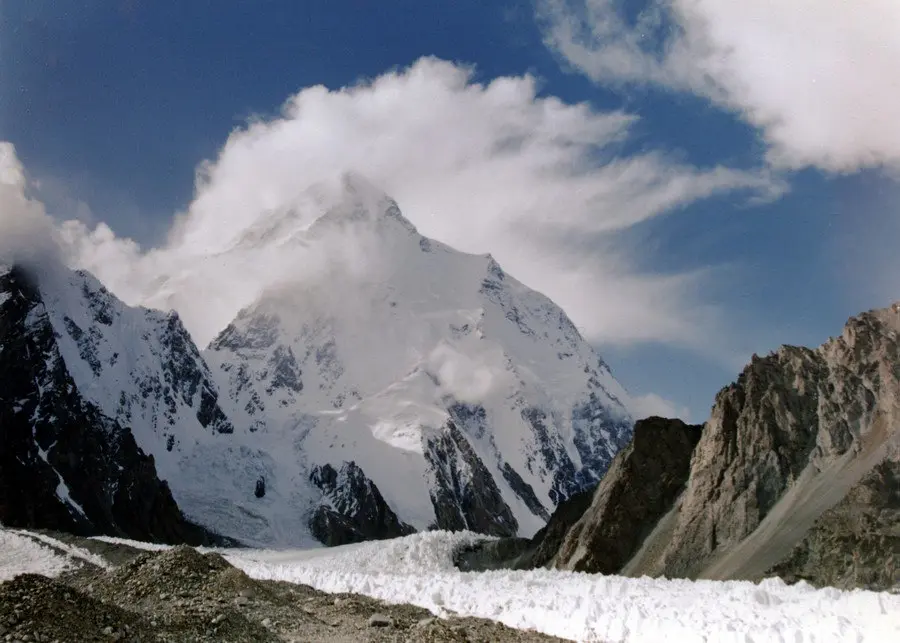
pixel 26 552
pixel 418 569
pixel 22 555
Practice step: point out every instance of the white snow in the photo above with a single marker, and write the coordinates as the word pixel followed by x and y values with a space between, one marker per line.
pixel 418 569
pixel 73 551
pixel 137 544
pixel 387 331
pixel 20 554
pixel 62 492
pixel 62 489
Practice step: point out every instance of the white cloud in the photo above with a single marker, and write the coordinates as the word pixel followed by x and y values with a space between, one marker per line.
pixel 467 378
pixel 644 406
pixel 483 167
pixel 818 77
pixel 26 232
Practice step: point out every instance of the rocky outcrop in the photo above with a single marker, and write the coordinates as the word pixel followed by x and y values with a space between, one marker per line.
pixel 857 542
pixel 463 492
pixel 354 509
pixel 784 445
pixel 598 530
pixel 796 473
pixel 63 463
pixel 640 488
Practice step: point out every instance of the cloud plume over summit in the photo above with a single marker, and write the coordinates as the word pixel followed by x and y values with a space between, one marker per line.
pixel 493 167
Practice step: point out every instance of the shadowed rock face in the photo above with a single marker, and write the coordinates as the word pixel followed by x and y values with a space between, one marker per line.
pixel 463 492
pixel 600 529
pixel 640 487
pixel 356 510
pixel 64 465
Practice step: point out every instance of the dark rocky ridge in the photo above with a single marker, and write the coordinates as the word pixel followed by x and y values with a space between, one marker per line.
pixel 463 502
pixel 598 530
pixel 64 464
pixel 356 510
pixel 797 435
pixel 640 488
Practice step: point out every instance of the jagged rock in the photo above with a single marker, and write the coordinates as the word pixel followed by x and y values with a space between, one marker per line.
pixel 464 493
pixel 355 509
pixel 63 463
pixel 638 489
pixel 796 473
pixel 783 446
pixel 857 542
pixel 599 529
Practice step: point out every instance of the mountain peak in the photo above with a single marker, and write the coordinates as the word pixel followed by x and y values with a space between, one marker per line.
pixel 352 198
pixel 346 200
pixel 413 361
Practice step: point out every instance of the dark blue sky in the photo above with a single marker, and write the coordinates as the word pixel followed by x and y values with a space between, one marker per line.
pixel 115 104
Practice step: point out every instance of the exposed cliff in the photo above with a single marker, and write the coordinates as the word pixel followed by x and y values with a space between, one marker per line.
pixel 798 434
pixel 796 474
pixel 640 487
pixel 599 530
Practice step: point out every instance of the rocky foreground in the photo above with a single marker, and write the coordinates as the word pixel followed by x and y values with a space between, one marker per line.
pixel 180 595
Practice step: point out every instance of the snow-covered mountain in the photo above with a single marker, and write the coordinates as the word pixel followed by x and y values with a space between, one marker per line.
pixel 70 367
pixel 389 384
pixel 426 375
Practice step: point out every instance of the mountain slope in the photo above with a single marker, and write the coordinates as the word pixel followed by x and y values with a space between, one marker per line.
pixel 383 384
pixel 796 473
pixel 644 480
pixel 784 444
pixel 64 463
pixel 600 530
pixel 466 399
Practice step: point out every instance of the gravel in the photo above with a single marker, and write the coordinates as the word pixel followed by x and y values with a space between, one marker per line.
pixel 180 595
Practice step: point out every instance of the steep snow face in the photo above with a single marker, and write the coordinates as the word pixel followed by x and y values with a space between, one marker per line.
pixel 469 400
pixel 64 463
pixel 138 366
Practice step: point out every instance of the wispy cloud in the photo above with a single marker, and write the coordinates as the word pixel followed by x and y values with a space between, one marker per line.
pixel 817 77
pixel 490 167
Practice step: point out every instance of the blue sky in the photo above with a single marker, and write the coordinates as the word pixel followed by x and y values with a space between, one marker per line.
pixel 112 105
